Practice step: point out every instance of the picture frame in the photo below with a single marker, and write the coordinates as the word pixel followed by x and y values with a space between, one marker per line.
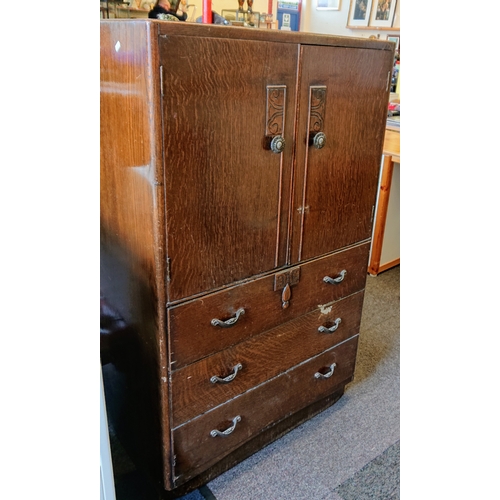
pixel 382 13
pixel 328 4
pixel 395 39
pixel 359 13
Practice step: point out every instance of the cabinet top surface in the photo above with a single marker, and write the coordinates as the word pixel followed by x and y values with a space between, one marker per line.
pixel 166 28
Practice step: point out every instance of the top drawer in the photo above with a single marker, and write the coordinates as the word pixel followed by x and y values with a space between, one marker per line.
pixel 214 322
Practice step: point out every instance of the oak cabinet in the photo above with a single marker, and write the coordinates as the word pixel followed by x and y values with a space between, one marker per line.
pixel 239 171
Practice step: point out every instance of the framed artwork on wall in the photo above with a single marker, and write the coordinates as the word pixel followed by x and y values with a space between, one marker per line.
pixel 359 13
pixel 395 39
pixel 327 4
pixel 382 13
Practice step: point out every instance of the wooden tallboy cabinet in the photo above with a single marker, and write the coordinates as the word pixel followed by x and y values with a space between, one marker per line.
pixel 239 171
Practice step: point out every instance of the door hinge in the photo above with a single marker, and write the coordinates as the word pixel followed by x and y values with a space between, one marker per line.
pixel 373 213
pixel 161 80
pixel 167 270
pixel 388 80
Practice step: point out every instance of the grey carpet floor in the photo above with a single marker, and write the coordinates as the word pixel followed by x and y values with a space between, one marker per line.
pixel 348 452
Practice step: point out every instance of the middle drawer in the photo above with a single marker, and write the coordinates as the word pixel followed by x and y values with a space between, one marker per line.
pixel 251 308
pixel 212 381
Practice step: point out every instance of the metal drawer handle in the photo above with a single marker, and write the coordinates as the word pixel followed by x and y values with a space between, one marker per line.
pixel 229 322
pixel 229 378
pixel 228 431
pixel 324 329
pixel 326 375
pixel 335 281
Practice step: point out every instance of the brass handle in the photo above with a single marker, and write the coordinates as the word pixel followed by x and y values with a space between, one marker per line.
pixel 278 144
pixel 319 140
pixel 215 432
pixel 230 321
pixel 326 375
pixel 335 281
pixel 215 379
pixel 324 329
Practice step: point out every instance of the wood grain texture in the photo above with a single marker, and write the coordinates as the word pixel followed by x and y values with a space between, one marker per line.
pixel 256 443
pixel 226 213
pixel 391 153
pixel 260 408
pixel 198 216
pixel 262 357
pixel 381 218
pixel 133 233
pixel 193 336
pixel 291 37
pixel 337 184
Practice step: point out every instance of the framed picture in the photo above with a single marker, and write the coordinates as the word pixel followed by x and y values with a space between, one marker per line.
pixel 395 39
pixel 327 4
pixel 382 14
pixel 359 13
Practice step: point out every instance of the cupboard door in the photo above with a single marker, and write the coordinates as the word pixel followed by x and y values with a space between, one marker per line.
pixel 227 193
pixel 343 107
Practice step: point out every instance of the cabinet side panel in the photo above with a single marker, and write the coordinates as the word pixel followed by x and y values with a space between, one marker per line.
pixel 132 236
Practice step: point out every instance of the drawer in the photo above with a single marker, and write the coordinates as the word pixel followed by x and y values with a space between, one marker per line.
pixel 205 440
pixel 261 358
pixel 193 334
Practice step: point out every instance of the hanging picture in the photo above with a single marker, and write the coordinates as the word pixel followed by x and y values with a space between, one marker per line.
pixel 359 13
pixel 327 4
pixel 382 14
pixel 395 39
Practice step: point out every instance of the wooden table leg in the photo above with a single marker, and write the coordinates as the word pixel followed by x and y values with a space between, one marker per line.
pixel 381 216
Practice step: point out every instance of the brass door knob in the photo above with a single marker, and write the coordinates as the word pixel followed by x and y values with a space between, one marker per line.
pixel 319 140
pixel 278 144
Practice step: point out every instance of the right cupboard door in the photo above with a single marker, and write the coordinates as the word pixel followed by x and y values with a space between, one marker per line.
pixel 342 110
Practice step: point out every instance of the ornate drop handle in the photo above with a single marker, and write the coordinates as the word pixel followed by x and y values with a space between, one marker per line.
pixel 215 379
pixel 326 375
pixel 215 432
pixel 230 321
pixel 324 329
pixel 335 281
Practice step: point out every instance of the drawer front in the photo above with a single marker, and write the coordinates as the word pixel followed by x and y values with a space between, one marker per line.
pixel 250 363
pixel 257 306
pixel 204 441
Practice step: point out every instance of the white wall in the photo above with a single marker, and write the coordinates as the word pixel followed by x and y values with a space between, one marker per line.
pixel 334 22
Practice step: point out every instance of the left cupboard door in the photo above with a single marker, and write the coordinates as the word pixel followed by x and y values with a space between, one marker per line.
pixel 227 192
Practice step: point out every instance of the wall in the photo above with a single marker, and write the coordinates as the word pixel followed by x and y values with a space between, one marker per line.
pixel 334 22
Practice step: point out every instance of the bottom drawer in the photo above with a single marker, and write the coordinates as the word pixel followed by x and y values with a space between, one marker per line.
pixel 203 441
